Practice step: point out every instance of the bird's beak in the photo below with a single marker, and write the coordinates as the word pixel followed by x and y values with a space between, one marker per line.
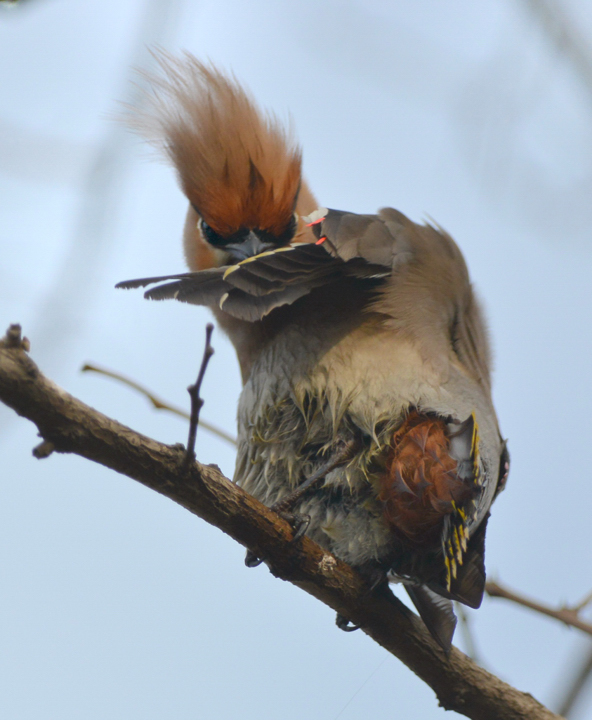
pixel 252 245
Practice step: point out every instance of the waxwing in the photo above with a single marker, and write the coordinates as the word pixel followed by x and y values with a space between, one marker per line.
pixel 366 411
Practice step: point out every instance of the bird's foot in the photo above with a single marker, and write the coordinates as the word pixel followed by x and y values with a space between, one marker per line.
pixel 299 524
pixel 251 559
pixel 344 624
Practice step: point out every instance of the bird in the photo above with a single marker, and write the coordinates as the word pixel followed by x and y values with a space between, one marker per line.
pixel 366 415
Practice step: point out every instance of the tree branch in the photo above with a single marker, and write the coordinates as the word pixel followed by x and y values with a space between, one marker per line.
pixel 70 426
pixel 566 614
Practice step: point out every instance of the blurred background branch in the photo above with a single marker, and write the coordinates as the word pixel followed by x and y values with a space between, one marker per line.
pixel 570 615
pixel 565 35
pixel 157 403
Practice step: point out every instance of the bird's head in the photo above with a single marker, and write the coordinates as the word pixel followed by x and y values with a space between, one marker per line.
pixel 239 168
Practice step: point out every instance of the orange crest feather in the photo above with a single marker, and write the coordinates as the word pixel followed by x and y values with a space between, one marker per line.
pixel 237 166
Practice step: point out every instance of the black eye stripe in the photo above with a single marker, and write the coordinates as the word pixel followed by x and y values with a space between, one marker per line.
pixel 289 232
pixel 213 238
pixel 220 241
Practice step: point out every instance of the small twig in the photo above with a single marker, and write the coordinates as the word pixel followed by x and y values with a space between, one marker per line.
pixel 567 615
pixel 13 339
pixel 196 401
pixel 159 404
pixel 583 603
pixel 43 450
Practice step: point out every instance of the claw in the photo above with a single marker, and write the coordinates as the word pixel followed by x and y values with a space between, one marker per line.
pixel 298 522
pixel 251 560
pixel 344 624
pixel 299 525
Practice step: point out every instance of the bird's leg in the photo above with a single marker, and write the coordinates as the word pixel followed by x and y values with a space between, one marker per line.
pixel 300 522
pixel 282 507
pixel 339 457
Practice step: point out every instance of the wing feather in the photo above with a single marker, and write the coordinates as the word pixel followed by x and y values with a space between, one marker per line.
pixel 361 246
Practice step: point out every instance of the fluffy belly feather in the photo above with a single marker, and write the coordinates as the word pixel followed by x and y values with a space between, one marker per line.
pixel 300 402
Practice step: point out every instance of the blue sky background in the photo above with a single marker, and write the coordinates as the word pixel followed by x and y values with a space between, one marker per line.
pixel 114 602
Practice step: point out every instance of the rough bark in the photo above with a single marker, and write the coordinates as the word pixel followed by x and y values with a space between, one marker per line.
pixel 69 426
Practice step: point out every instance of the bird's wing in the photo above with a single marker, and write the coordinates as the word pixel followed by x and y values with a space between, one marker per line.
pixel 434 298
pixel 362 246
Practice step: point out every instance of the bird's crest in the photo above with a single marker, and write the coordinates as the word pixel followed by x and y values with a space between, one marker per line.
pixel 238 166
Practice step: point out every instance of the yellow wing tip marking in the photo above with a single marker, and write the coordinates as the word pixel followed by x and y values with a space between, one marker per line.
pixel 231 269
pixel 458 549
pixel 464 538
pixel 448 573
pixel 475 437
pixel 475 440
pixel 267 253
